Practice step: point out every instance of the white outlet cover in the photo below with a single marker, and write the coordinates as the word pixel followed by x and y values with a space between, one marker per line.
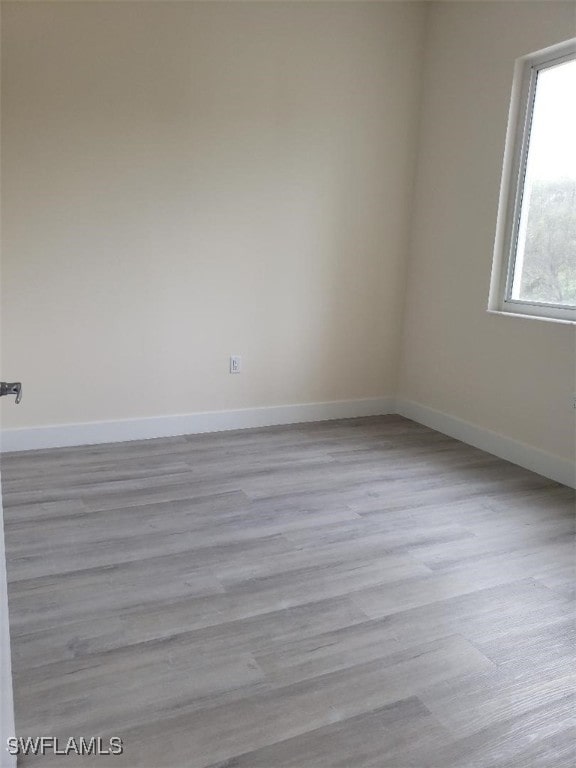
pixel 235 363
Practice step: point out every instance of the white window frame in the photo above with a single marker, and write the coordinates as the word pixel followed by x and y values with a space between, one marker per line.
pixel 512 186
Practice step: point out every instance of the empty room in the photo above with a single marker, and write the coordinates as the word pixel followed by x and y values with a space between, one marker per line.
pixel 288 397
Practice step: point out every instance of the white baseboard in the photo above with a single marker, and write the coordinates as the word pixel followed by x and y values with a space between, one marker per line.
pixel 534 459
pixel 62 435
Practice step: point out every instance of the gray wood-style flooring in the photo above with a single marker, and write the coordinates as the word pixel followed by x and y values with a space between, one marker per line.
pixel 365 593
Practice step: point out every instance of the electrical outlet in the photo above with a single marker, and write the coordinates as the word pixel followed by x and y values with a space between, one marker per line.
pixel 235 363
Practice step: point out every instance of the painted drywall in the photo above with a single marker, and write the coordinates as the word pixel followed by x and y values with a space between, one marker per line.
pixel 511 375
pixel 186 181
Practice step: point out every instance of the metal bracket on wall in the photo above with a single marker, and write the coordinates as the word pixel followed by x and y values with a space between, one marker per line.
pixel 11 388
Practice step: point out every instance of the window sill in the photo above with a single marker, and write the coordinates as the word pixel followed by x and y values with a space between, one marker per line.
pixel 558 320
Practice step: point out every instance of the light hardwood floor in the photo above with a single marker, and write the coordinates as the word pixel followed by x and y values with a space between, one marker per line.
pixel 364 593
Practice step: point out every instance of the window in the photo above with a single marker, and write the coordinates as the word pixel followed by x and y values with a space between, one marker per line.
pixel 535 252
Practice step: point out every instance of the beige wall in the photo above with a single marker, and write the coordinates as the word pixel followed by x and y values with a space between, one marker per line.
pixel 183 181
pixel 511 375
